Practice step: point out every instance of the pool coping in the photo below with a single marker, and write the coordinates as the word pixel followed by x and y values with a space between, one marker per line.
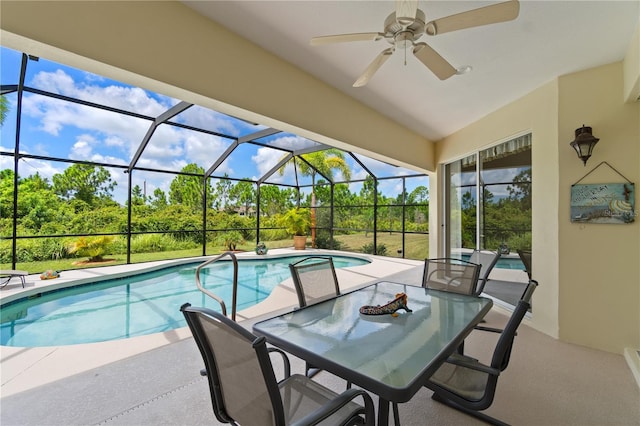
pixel 26 368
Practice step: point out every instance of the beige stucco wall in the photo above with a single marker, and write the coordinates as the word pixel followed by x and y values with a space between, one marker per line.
pixel 535 113
pixel 168 48
pixel 599 279
pixel 589 290
pixel 631 66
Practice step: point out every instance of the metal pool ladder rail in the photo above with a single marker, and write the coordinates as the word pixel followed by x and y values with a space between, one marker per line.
pixel 235 283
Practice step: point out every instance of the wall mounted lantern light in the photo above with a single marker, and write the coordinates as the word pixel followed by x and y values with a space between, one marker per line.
pixel 584 143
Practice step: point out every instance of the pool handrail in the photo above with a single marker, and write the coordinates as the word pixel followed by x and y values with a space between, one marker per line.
pixel 235 283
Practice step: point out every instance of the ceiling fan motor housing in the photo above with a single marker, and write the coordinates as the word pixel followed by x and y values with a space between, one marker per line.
pixel 404 36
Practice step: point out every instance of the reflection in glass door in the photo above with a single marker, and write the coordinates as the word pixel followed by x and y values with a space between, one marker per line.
pixel 504 210
pixel 460 183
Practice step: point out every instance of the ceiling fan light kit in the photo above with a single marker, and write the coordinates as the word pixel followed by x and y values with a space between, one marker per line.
pixel 407 24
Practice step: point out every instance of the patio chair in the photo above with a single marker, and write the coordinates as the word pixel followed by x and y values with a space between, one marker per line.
pixel 466 384
pixel 315 280
pixel 243 386
pixel 450 274
pixel 525 257
pixel 487 259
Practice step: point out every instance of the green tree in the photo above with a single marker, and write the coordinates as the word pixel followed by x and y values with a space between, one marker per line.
pixel 520 190
pixel 274 200
pixel 137 197
pixel 38 205
pixel 188 189
pixel 367 198
pixel 159 200
pixel 242 194
pixel 323 163
pixel 6 193
pixel 419 195
pixel 222 190
pixel 84 182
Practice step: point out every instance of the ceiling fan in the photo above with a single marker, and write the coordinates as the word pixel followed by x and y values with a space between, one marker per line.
pixel 404 27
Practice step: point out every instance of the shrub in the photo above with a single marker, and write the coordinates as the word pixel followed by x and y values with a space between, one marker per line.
pixel 94 248
pixel 36 249
pixel 381 249
pixel 231 239
pixel 325 242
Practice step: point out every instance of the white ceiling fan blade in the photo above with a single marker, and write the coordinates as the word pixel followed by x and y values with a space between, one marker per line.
pixel 432 59
pixel 342 38
pixel 373 67
pixel 500 12
pixel 406 11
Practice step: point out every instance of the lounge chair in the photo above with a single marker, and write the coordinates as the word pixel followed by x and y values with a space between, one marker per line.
pixel 7 274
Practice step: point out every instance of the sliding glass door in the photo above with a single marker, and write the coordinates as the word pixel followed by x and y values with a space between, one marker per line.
pixel 488 202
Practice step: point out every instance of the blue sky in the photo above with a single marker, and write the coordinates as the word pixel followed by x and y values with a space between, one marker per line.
pixel 55 128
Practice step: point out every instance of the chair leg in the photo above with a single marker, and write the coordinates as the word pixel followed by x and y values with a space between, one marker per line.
pixel 396 414
pixel 477 414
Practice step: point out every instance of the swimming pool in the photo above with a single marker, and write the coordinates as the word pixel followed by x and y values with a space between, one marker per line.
pixel 504 262
pixel 139 304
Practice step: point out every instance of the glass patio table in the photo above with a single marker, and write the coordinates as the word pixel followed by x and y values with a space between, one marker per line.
pixel 388 356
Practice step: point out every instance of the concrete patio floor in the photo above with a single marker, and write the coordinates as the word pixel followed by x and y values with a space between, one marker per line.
pixel 154 379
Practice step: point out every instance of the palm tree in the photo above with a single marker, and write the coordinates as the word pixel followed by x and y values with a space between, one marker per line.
pixel 4 109
pixel 325 163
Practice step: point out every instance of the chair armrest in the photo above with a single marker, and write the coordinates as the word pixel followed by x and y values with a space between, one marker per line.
pixel 343 399
pixel 473 364
pixel 285 361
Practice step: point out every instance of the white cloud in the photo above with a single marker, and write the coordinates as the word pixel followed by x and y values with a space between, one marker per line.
pixel 266 158
pixel 82 148
pixel 127 98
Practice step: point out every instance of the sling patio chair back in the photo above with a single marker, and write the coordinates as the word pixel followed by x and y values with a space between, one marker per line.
pixel 243 386
pixel 468 385
pixel 450 274
pixel 315 279
pixel 525 257
pixel 487 259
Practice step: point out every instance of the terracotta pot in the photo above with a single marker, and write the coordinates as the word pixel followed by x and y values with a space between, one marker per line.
pixel 299 242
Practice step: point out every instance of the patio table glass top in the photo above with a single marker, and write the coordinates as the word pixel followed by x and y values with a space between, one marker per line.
pixel 389 356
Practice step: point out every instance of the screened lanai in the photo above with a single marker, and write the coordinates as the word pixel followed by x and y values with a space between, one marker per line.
pixel 95 169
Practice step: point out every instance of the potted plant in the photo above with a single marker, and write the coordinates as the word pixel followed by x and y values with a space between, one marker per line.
pixel 297 222
pixel 261 248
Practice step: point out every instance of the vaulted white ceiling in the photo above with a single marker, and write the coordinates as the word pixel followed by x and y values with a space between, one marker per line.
pixel 548 39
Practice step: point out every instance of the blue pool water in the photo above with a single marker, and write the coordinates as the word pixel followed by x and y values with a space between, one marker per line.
pixel 504 262
pixel 140 304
